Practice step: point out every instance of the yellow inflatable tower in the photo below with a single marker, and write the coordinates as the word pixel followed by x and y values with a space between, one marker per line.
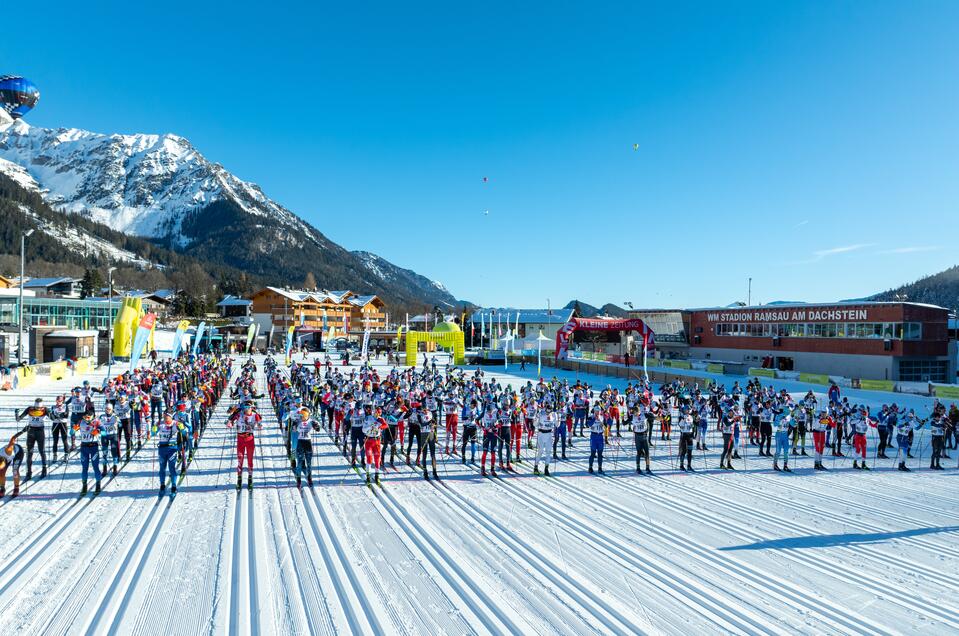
pixel 125 327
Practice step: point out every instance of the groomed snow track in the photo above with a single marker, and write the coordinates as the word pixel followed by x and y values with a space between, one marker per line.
pixel 747 552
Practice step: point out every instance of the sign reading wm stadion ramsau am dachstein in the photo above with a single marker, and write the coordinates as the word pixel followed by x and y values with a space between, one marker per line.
pixel 812 314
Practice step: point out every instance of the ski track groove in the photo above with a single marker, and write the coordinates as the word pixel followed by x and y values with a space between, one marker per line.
pixel 556 574
pixel 732 614
pixel 116 605
pixel 400 532
pixel 360 614
pixel 928 544
pixel 685 591
pixel 799 598
pixel 112 603
pixel 59 620
pixel 933 613
pixel 308 604
pixel 303 567
pixel 490 616
pixel 410 621
pixel 865 552
pixel 833 570
pixel 29 565
pixel 553 616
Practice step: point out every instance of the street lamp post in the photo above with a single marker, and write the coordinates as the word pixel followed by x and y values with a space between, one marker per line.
pixel 110 323
pixel 23 241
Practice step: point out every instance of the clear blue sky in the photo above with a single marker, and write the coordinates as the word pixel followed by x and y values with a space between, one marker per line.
pixel 810 145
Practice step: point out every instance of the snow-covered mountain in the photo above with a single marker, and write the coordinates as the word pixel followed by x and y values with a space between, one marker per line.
pixel 160 187
pixel 387 271
pixel 137 184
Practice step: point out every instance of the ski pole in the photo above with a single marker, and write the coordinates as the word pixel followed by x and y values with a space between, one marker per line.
pixel 616 458
pixel 919 446
pixel 703 444
pixel 742 445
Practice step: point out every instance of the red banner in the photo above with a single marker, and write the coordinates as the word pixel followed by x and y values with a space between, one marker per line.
pixel 601 324
pixel 148 321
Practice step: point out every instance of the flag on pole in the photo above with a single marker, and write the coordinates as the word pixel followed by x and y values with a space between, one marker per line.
pixel 289 342
pixel 198 337
pixel 141 337
pixel 178 338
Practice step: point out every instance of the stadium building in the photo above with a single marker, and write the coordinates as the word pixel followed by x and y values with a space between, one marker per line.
pixel 899 341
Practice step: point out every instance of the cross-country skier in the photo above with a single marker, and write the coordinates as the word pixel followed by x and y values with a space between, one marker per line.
pixel 427 441
pixel 35 434
pixel 305 427
pixel 11 455
pixel 596 439
pixel 820 426
pixel 60 415
pixel 640 423
pixel 373 426
pixel 686 440
pixel 782 419
pixel 124 413
pixel 88 430
pixel 937 429
pixel 860 423
pixel 469 417
pixel 730 420
pixel 246 421
pixel 488 423
pixel 167 433
pixel 904 429
pixel 109 444
pixel 545 425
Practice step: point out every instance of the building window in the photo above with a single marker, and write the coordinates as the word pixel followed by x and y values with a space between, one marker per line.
pixel 869 330
pixel 923 370
pixel 913 331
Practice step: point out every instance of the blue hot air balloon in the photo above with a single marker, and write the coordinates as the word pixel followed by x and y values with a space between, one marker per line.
pixel 18 95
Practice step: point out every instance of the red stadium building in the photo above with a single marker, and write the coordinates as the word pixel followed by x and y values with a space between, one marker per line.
pixel 872 340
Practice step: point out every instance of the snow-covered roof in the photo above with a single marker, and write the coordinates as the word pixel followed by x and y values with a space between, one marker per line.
pixel 534 316
pixel 299 295
pixel 361 301
pixel 338 296
pixel 233 301
pixel 49 282
pixel 73 333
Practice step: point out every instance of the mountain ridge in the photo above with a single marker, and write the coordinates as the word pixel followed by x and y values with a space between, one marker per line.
pixel 160 187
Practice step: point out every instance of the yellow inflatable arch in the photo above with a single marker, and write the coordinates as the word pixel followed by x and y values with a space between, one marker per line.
pixel 443 335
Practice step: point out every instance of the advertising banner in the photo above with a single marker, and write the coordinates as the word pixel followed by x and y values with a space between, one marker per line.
pixel 141 338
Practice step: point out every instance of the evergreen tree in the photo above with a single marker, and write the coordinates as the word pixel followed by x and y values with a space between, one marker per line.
pixel 91 283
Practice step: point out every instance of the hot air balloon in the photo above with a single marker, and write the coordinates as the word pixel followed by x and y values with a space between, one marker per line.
pixel 18 95
pixel 635 147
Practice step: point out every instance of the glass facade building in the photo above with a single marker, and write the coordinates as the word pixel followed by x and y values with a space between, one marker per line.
pixel 69 313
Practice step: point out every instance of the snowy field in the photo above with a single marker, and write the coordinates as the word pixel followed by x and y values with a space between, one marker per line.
pixel 752 551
